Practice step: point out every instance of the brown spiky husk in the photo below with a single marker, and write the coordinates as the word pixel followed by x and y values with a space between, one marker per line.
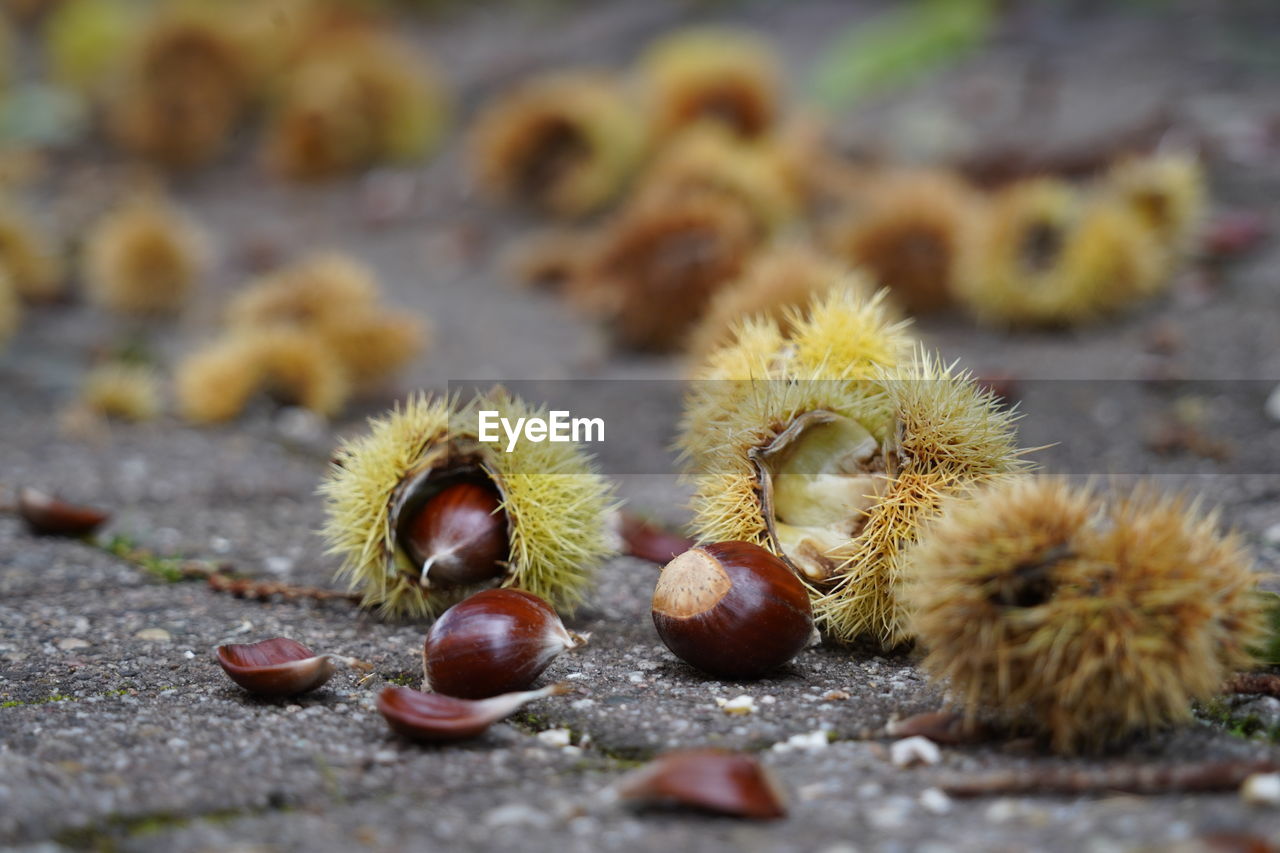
pixel 777 280
pixel 657 266
pixel 1083 618
pixel 909 233
pixel 730 77
pixel 186 83
pixel 565 143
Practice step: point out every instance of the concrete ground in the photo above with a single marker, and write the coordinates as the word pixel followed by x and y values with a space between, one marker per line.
pixel 120 732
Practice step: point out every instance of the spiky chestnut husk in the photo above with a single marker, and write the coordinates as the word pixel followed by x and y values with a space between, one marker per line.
pixel 656 267
pixel 830 445
pixel 144 258
pixel 1045 256
pixel 84 39
pixel 363 100
pixel 7 52
pixel 949 436
pixel 1083 618
pixel 316 129
pixel 558 508
pixel 563 142
pixel 840 336
pixel 335 298
pixel 28 255
pixel 550 259
pixel 777 280
pixel 10 307
pixel 727 76
pixel 185 83
pixel 129 392
pixel 750 172
pixel 908 234
pixel 295 366
pixel 1167 194
pixel 316 290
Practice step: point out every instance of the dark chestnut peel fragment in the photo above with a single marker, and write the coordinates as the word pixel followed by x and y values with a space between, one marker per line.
pixel 708 780
pixel 436 718
pixel 276 667
pixel 46 515
pixel 732 610
pixel 458 537
pixel 497 641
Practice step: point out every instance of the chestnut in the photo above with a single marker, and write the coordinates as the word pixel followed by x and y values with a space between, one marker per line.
pixel 732 610
pixel 275 667
pixel 46 515
pixel 709 780
pixel 459 536
pixel 496 641
pixel 434 717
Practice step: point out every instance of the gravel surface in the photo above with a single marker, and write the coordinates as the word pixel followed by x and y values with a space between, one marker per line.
pixel 118 730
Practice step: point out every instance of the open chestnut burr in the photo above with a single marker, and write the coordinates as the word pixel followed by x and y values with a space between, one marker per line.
pixel 275 667
pixel 732 610
pixel 496 641
pixel 424 512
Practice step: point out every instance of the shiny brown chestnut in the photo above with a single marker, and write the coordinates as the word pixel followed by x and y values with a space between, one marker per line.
pixel 496 641
pixel 435 718
pixel 46 515
pixel 275 667
pixel 732 610
pixel 710 780
pixel 459 536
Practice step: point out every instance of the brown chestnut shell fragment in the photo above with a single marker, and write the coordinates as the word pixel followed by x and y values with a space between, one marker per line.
pixel 46 515
pixel 710 780
pixel 732 610
pixel 497 641
pixel 436 718
pixel 275 667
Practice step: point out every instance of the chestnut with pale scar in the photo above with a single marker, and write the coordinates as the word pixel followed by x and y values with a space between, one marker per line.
pixel 732 610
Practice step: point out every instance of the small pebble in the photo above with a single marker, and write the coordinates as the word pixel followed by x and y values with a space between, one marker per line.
pixel 69 643
pixel 154 635
pixel 1273 404
pixel 934 800
pixel 914 750
pixel 1261 789
pixel 555 737
pixel 807 742
pixel 738 705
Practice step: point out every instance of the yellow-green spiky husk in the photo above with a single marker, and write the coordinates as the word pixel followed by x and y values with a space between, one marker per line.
pixel 747 391
pixel 1105 259
pixel 10 307
pixel 28 254
pixel 1082 618
pixel 718 74
pixel 118 390
pixel 215 383
pixel 751 172
pixel 143 259
pixel 909 231
pixel 1166 192
pixel 950 436
pixel 591 105
pixel 558 507
pixel 776 280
